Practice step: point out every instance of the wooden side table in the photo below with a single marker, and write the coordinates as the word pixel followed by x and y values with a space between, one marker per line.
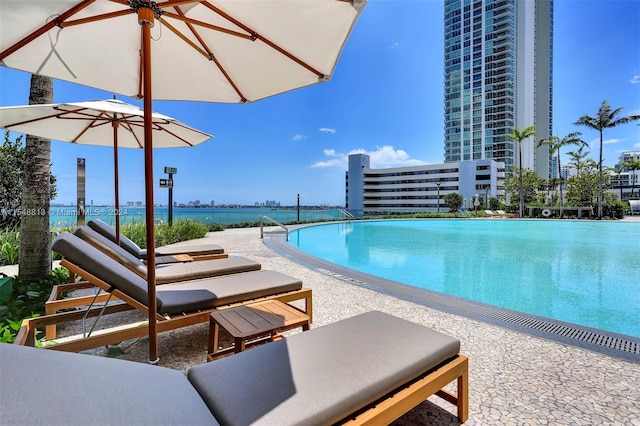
pixel 249 322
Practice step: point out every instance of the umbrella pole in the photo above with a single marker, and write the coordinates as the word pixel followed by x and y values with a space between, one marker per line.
pixel 145 19
pixel 116 211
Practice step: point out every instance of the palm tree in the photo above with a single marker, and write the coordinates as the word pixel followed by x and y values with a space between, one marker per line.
pixel 35 237
pixel 578 158
pixel 632 165
pixel 555 143
pixel 519 136
pixel 605 118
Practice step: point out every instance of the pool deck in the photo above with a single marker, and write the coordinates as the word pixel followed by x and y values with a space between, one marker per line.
pixel 515 378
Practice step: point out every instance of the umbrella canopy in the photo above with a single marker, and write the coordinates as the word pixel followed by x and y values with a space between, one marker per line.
pixel 92 122
pixel 106 123
pixel 215 51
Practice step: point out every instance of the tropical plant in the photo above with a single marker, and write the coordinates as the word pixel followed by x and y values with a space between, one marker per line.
pixel 12 158
pixel 181 230
pixel 605 118
pixel 27 300
pixel 614 209
pixel 631 165
pixel 520 136
pixel 453 201
pixel 579 159
pixel 525 187
pixel 11 167
pixel 35 235
pixel 555 143
pixel 582 189
pixel 9 246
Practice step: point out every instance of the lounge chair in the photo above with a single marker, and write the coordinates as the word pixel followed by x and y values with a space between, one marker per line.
pixel 178 253
pixel 490 213
pixel 167 273
pixel 178 304
pixel 368 369
pixel 502 213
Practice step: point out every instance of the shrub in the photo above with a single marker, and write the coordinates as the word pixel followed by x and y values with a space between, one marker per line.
pixel 454 201
pixel 614 209
pixel 9 246
pixel 214 227
pixel 27 301
pixel 182 230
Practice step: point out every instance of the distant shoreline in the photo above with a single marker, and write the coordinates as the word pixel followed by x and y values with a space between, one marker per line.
pixel 64 216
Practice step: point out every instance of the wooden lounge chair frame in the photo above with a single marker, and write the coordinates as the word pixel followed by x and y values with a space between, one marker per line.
pixel 187 255
pixel 26 335
pixel 409 396
pixel 413 393
pixel 124 257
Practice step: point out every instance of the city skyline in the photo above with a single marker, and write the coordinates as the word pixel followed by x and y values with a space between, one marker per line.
pixel 384 100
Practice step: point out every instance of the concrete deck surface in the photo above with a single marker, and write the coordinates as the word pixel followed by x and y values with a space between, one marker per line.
pixel 515 379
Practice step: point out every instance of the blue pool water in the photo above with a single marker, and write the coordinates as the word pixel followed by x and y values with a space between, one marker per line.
pixel 582 272
pixel 67 216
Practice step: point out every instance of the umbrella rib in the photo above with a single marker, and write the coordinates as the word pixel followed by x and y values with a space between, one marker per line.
pixel 43 29
pixel 191 21
pixel 176 136
pixel 208 53
pixel 255 35
pixel 128 127
pixel 74 140
pixel 95 18
pixel 60 115
pixel 33 120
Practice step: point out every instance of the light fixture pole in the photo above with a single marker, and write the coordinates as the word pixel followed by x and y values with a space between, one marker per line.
pixel 476 203
pixel 438 185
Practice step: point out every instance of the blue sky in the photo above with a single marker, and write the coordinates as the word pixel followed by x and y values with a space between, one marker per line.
pixel 385 99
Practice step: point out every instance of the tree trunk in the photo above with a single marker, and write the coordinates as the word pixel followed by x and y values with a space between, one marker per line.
pixel 560 179
pixel 35 236
pixel 600 181
pixel 521 210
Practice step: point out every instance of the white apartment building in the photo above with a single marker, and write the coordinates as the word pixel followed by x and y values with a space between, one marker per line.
pixel 419 188
pixel 623 183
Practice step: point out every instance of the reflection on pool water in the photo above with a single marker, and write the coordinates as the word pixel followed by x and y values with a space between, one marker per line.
pixel 583 272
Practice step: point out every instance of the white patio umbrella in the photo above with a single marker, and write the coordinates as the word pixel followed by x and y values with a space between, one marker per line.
pixel 108 122
pixel 215 51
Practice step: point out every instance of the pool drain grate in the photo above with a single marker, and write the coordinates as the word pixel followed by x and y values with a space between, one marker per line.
pixel 562 332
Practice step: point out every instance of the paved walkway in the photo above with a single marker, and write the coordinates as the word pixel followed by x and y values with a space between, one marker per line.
pixel 515 379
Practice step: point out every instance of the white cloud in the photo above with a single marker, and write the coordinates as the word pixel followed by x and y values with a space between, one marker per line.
pixel 327 130
pixel 635 79
pixel 394 45
pixel 382 157
pixel 611 141
pixel 298 137
pixel 636 145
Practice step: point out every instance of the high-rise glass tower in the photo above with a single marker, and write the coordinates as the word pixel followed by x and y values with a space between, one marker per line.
pixel 498 74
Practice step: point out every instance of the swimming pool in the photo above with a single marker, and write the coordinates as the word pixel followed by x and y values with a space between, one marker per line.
pixel 581 272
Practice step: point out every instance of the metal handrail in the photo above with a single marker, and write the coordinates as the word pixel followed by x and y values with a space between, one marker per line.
pixel 268 219
pixel 347 214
